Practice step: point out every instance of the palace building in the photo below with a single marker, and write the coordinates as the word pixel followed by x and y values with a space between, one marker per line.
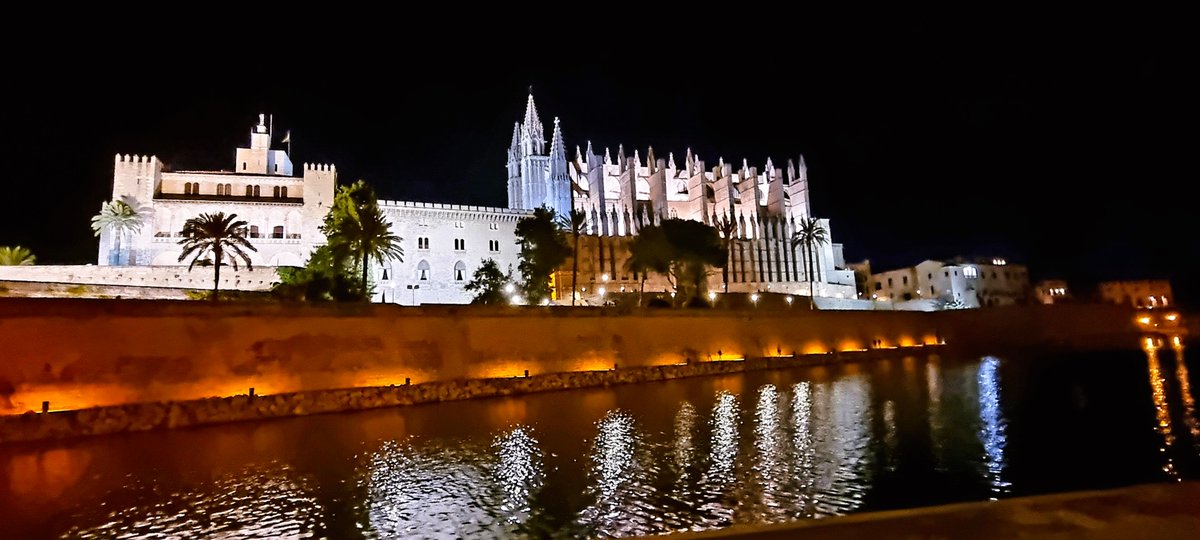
pixel 444 243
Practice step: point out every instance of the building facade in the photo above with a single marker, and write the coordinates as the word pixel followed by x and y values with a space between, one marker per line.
pixel 957 283
pixel 1145 293
pixel 1051 291
pixel 620 196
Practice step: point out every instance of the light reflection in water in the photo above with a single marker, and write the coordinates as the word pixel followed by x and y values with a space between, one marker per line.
pixel 1162 413
pixel 724 438
pixel 518 471
pixel 802 442
pixel 1185 391
pixel 268 501
pixel 992 430
pixel 843 417
pixel 618 482
pixel 684 450
pixel 769 469
pixel 891 439
pixel 933 376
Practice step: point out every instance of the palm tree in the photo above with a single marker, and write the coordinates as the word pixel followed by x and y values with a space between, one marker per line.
pixel 574 222
pixel 810 234
pixel 120 217
pixel 16 256
pixel 367 235
pixel 219 234
pixel 727 227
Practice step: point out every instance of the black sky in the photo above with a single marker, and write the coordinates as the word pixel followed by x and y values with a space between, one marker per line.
pixel 1066 144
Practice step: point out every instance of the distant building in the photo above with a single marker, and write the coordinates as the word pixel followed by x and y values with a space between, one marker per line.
pixel 1051 291
pixel 987 282
pixel 1146 293
pixel 862 277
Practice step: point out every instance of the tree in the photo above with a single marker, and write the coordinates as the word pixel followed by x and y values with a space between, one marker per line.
pixel 488 283
pixel 727 228
pixel 574 222
pixel 356 227
pixel 648 252
pixel 811 235
pixel 680 249
pixel 16 256
pixel 220 235
pixel 543 250
pixel 120 218
pixel 322 279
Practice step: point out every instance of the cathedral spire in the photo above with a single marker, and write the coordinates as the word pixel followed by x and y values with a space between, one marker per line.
pixel 557 150
pixel 516 140
pixel 534 133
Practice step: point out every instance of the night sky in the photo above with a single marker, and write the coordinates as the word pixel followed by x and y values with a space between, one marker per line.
pixel 1061 144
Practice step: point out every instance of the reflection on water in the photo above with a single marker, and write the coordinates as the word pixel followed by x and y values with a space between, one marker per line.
pixel 647 459
pixel 1162 413
pixel 518 471
pixel 1185 391
pixel 265 502
pixel 992 424
pixel 933 374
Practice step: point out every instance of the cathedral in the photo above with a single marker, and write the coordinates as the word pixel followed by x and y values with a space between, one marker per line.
pixel 444 243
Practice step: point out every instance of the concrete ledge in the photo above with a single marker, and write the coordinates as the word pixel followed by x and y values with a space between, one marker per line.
pixel 1159 511
pixel 178 414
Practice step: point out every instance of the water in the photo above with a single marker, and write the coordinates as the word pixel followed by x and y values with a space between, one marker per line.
pixel 693 454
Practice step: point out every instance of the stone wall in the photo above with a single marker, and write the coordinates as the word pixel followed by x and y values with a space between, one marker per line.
pixel 84 353
pixel 171 277
pixel 170 415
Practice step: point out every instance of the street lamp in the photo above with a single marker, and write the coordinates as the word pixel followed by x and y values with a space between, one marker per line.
pixel 754 298
pixel 413 288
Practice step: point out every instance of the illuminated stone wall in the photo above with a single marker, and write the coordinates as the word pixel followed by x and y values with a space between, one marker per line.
pixel 81 353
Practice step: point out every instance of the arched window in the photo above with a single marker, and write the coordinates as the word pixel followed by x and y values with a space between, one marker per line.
pixel 276 191
pixel 221 190
pixel 460 271
pixel 187 188
pixel 249 191
pixel 385 274
pixel 423 271
pixel 228 189
pixel 254 232
pixel 283 192
pixel 710 194
pixel 256 192
pixel 277 232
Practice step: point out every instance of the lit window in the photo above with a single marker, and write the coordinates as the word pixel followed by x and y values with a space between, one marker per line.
pixel 970 272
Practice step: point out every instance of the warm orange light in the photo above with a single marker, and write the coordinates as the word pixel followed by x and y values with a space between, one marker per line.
pixel 1172 317
pixel 815 347
pixel 1144 320
pixel 907 341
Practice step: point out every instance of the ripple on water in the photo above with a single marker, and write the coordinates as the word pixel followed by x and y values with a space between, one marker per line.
pixel 267 501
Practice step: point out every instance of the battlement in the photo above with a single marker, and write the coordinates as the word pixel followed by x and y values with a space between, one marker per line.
pixel 387 204
pixel 324 167
pixel 135 159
